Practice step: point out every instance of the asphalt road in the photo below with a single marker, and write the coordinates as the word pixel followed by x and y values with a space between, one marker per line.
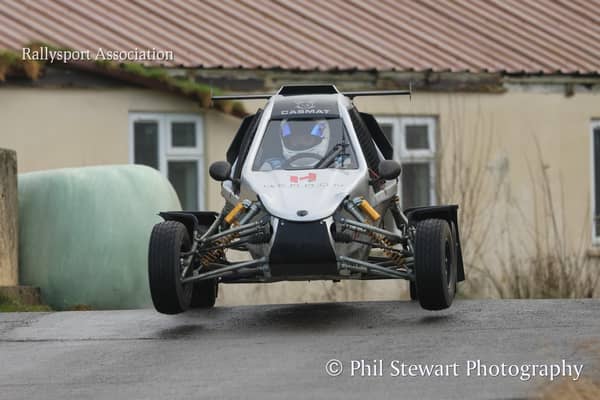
pixel 280 351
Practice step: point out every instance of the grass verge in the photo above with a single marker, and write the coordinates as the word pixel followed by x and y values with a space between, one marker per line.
pixel 12 305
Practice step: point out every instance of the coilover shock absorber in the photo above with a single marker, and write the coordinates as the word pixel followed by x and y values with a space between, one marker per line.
pixel 213 256
pixel 373 216
pixel 385 247
pixel 250 209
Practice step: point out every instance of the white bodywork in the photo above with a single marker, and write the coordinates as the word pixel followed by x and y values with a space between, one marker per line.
pixel 314 194
pixel 319 194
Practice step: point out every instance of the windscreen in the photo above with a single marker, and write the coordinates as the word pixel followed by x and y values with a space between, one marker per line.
pixel 305 143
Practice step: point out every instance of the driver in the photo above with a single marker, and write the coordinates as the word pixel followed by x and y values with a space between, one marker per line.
pixel 303 144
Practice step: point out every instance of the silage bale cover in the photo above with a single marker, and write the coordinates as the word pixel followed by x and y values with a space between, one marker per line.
pixel 83 233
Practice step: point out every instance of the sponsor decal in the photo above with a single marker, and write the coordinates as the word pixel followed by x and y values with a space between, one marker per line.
pixel 308 181
pixel 304 111
pixel 305 105
pixel 310 177
pixel 299 185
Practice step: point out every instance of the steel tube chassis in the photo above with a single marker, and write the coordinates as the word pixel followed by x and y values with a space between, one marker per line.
pixel 258 270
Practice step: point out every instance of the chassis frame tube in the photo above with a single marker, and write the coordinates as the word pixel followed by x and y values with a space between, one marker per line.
pixel 353 224
pixel 364 266
pixel 251 226
pixel 212 227
pixel 259 265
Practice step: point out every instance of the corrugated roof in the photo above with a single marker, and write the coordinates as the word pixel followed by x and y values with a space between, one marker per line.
pixel 514 36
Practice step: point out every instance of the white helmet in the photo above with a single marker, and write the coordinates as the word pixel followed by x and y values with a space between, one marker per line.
pixel 304 136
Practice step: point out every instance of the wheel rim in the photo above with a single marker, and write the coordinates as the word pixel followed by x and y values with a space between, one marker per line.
pixel 185 287
pixel 448 262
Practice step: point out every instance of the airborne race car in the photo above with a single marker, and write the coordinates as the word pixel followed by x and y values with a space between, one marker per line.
pixel 310 191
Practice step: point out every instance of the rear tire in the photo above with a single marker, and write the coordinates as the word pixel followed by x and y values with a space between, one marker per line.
pixel 412 288
pixel 435 264
pixel 205 293
pixel 167 241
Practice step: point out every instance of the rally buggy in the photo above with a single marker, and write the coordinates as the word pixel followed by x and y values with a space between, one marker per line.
pixel 310 189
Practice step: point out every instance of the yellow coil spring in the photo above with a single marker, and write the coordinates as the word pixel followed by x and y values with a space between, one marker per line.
pixel 215 255
pixel 397 258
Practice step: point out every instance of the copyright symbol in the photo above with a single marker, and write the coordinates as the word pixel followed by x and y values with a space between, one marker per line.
pixel 334 367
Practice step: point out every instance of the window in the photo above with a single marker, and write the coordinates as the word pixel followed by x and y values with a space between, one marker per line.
pixel 596 179
pixel 171 143
pixel 303 143
pixel 413 140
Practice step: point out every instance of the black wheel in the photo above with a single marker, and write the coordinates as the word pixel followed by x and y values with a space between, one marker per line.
pixel 204 294
pixel 412 287
pixel 167 241
pixel 435 264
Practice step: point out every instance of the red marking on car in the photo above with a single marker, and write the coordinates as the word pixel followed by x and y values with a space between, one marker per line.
pixel 311 177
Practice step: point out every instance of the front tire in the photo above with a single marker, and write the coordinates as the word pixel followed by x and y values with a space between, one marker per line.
pixel 435 264
pixel 167 241
pixel 204 294
pixel 412 290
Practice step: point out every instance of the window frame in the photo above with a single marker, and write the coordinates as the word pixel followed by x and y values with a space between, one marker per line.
pixel 166 152
pixel 183 150
pixel 594 124
pixel 420 156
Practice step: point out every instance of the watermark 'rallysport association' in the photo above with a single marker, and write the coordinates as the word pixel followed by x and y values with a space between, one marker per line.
pixel 45 53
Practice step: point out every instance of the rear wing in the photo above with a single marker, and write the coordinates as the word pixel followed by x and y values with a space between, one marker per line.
pixel 293 90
